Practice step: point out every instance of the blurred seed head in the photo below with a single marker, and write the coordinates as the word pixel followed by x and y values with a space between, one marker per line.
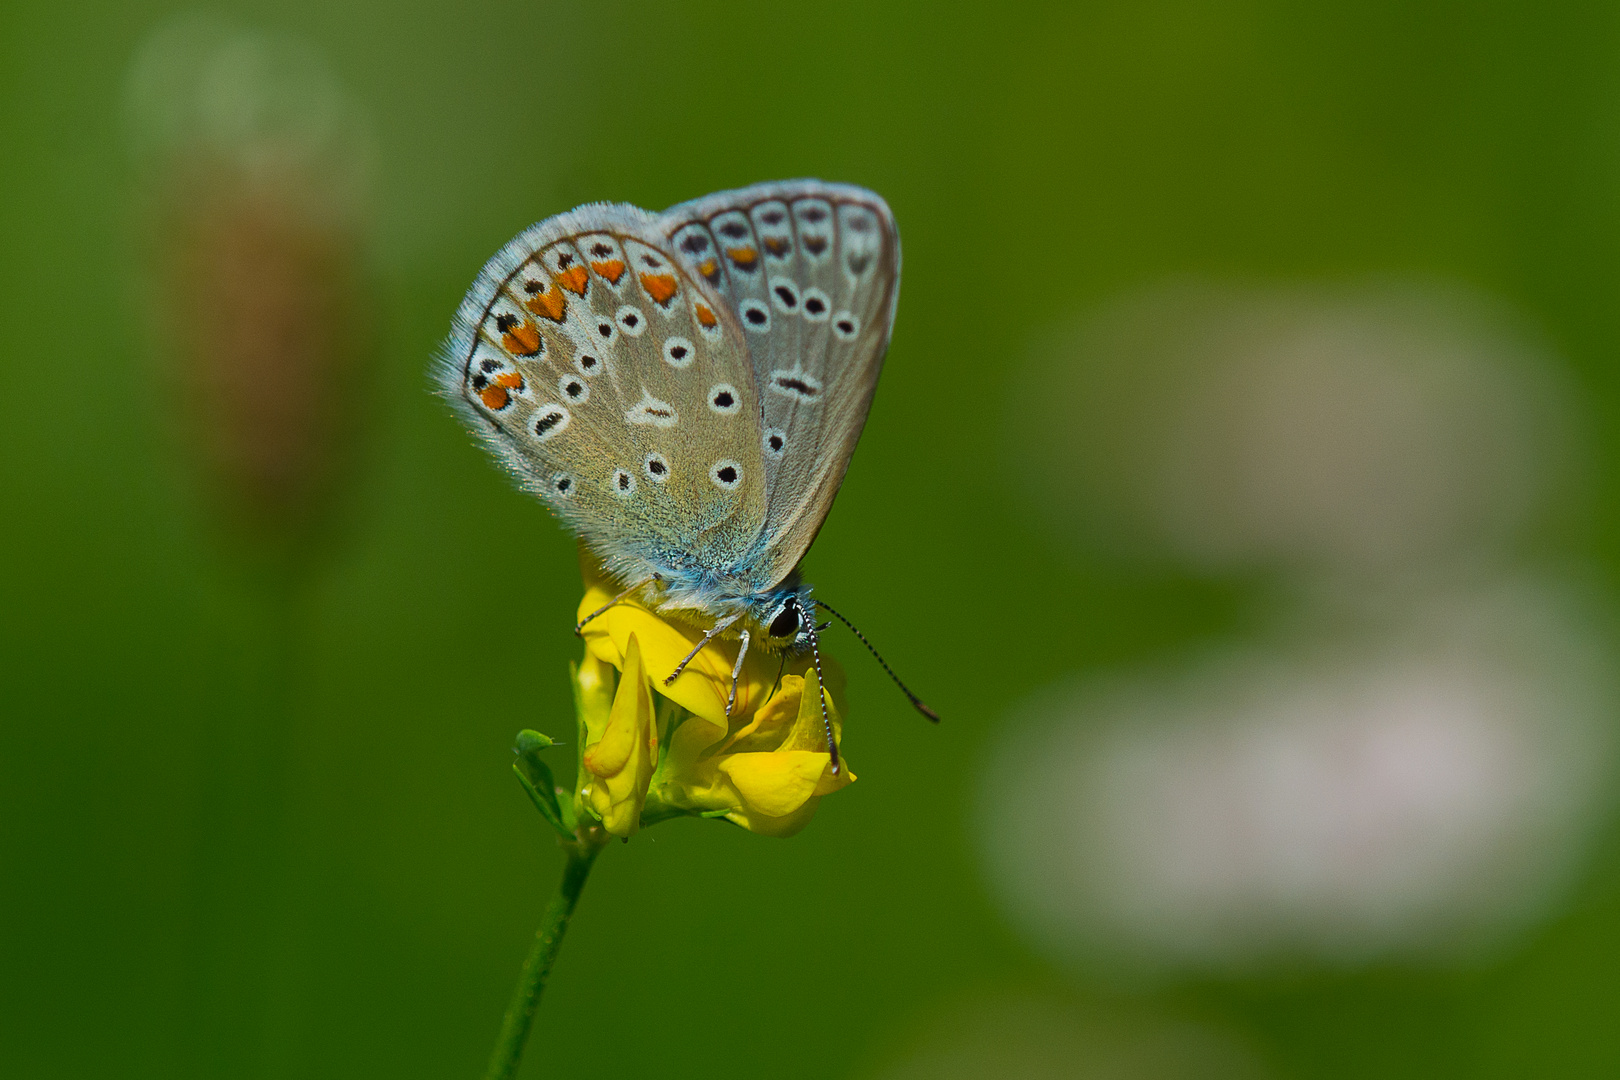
pixel 1357 432
pixel 1420 795
pixel 253 167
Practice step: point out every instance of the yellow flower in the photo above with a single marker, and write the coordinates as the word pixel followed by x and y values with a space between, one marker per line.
pixel 765 767
pixel 621 743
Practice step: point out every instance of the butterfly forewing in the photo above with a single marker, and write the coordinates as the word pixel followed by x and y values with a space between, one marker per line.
pixel 811 272
pixel 618 389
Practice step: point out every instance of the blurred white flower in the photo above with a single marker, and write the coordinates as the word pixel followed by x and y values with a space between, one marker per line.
pixel 1410 761
pixel 1361 431
pixel 1420 795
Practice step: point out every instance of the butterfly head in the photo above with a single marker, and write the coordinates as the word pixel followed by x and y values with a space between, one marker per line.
pixel 789 621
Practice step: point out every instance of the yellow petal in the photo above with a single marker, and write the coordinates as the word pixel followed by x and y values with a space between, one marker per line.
pixel 665 641
pixel 593 694
pixel 624 758
pixel 775 784
pixel 786 825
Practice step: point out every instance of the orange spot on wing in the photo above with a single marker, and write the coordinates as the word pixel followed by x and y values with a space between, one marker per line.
pixel 574 279
pixel 612 269
pixel 659 286
pixel 776 245
pixel 743 256
pixel 495 397
pixel 550 303
pixel 709 269
pixel 522 340
pixel 509 379
pixel 706 317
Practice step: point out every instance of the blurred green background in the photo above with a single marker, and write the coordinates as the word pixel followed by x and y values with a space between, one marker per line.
pixel 1039 159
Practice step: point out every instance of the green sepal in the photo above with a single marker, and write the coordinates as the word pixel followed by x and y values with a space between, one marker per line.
pixel 713 813
pixel 535 776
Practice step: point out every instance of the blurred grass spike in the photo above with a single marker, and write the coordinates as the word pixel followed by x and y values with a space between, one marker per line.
pixel 254 169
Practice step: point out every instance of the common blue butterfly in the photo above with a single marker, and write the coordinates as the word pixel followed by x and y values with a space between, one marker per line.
pixel 685 389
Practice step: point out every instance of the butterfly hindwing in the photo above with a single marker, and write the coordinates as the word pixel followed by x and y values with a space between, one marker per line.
pixel 811 272
pixel 616 388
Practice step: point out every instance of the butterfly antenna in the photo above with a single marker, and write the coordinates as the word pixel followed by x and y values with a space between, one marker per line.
pixel 821 687
pixel 916 702
pixel 579 626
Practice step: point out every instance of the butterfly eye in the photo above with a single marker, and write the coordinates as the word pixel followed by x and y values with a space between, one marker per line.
pixel 786 623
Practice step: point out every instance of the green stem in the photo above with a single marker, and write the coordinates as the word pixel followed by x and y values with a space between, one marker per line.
pixel 503 1063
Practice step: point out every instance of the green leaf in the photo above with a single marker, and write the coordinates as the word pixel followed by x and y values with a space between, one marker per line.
pixel 535 776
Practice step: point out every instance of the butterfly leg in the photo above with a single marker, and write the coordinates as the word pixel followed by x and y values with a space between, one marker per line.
pixel 718 628
pixel 736 672
pixel 581 624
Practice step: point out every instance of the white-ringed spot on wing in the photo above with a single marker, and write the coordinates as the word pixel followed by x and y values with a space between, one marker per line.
pixel 494 386
pixel 813 218
pixel 574 389
pixel 816 306
pixel 861 240
pixel 606 260
pixel 737 240
pixel 775 442
pixel 607 331
pixel 678 352
pixel 630 320
pixel 723 399
pixel 550 421
pixel 726 475
pixel 656 466
pixel 622 484
pixel 650 411
pixel 796 384
pixel 708 322
pixel 774 230
pixel 785 295
pixel 755 315
pixel 562 485
pixel 588 363
pixel 846 325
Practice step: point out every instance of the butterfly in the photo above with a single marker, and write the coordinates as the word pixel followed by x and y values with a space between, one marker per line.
pixel 685 389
